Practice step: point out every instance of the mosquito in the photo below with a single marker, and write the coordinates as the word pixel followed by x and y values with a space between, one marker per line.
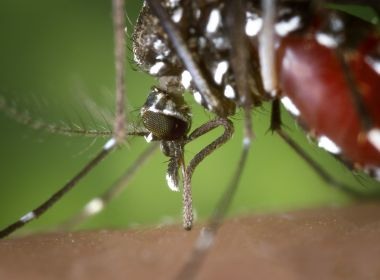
pixel 206 48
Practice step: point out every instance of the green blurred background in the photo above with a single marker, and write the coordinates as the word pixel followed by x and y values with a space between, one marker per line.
pixel 56 56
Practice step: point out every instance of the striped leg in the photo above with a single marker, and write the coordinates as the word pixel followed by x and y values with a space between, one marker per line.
pixel 41 209
pixel 325 176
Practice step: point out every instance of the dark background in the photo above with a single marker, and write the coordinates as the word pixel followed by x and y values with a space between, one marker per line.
pixel 56 56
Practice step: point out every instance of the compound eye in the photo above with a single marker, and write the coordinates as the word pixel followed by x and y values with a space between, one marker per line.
pixel 166 116
pixel 164 127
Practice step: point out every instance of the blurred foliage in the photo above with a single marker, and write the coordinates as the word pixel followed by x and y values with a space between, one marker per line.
pixel 57 56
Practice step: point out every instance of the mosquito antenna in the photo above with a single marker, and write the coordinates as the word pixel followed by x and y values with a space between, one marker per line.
pixel 119 33
pixel 97 204
pixel 38 124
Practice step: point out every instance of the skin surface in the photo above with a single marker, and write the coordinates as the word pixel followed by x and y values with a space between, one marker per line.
pixel 327 243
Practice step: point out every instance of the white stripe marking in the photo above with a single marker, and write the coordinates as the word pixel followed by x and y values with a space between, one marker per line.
pixel 171 183
pixel 374 137
pixel 27 217
pixel 289 105
pixel 283 28
pixel 198 97
pixel 186 79
pixel 177 15
pixel 149 138
pixel 253 25
pixel 327 144
pixel 220 70
pixel 374 63
pixel 109 144
pixel 213 21
pixel 229 92
pixel 94 206
pixel 326 40
pixel 156 68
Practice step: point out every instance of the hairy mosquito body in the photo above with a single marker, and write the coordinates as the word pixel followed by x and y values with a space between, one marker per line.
pixel 236 55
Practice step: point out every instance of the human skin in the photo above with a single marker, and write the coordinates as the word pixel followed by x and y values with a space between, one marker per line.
pixel 325 243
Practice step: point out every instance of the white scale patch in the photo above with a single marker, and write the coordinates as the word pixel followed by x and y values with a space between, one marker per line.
pixel 171 183
pixel 326 40
pixel 155 69
pixel 94 206
pixel 247 142
pixel 283 28
pixel 213 21
pixel 253 24
pixel 220 70
pixel 374 63
pixel 219 42
pixel 177 15
pixel 170 110
pixel 158 45
pixel 149 138
pixel 374 137
pixel 289 105
pixel 173 3
pixel 186 79
pixel 27 217
pixel 109 144
pixel 229 92
pixel 197 97
pixel 327 144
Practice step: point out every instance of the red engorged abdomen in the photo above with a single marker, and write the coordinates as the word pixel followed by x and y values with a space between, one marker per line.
pixel 312 77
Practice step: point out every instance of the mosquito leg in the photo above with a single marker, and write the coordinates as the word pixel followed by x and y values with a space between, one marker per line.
pixel 266 48
pixel 325 176
pixel 97 204
pixel 119 33
pixel 37 212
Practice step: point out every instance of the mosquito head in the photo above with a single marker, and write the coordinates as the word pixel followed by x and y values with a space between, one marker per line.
pixel 166 116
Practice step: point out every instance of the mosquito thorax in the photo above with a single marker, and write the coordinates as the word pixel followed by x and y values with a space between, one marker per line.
pixel 308 37
pixel 166 116
pixel 209 45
